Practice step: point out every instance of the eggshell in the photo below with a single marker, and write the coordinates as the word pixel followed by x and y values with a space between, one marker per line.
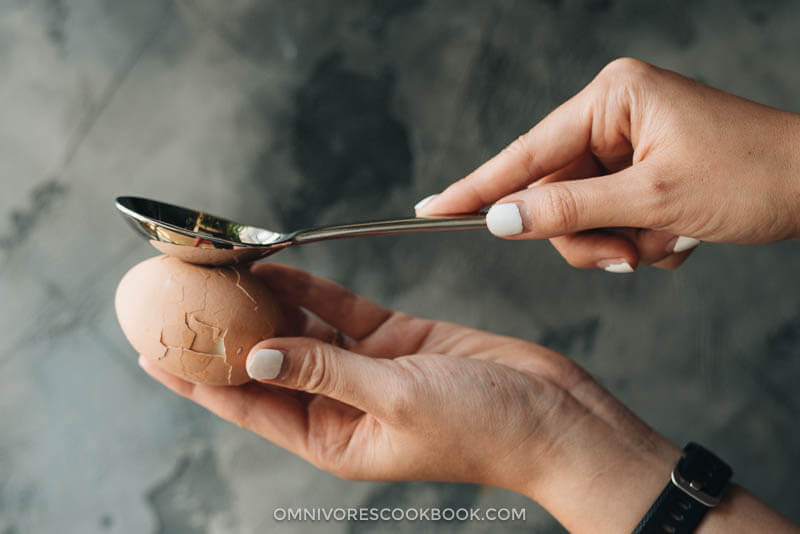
pixel 196 322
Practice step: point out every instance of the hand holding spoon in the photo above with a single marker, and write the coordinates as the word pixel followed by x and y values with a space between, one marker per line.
pixel 201 238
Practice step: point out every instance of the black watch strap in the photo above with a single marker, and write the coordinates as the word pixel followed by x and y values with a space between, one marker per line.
pixel 697 483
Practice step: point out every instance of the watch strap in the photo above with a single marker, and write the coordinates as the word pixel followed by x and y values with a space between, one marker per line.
pixel 696 484
pixel 674 512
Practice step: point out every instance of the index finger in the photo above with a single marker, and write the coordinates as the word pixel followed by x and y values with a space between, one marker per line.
pixel 557 140
pixel 353 315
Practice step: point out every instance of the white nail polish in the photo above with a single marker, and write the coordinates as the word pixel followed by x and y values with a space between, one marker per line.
pixel 504 219
pixel 418 205
pixel 265 364
pixel 685 243
pixel 623 267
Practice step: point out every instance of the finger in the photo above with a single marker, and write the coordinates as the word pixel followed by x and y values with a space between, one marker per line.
pixel 620 249
pixel 274 414
pixel 309 365
pixel 306 325
pixel 598 249
pixel 654 247
pixel 298 322
pixel 622 199
pixel 584 166
pixel 673 261
pixel 558 139
pixel 356 316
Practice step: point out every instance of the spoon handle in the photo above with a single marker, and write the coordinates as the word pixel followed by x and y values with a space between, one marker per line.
pixel 390 226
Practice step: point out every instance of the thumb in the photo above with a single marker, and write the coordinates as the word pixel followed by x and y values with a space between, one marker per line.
pixel 621 199
pixel 307 364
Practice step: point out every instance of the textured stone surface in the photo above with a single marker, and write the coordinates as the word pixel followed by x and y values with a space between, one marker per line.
pixel 291 114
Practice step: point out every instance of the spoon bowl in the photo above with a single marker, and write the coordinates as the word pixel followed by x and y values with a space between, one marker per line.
pixel 205 239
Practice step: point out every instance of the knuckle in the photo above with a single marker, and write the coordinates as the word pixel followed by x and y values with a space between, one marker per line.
pixel 556 212
pixel 626 66
pixel 625 75
pixel 314 375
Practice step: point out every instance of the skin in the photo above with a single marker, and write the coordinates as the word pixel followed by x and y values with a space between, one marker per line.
pixel 404 398
pixel 640 156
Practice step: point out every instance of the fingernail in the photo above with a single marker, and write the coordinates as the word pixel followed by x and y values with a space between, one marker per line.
pixel 418 206
pixel 504 219
pixel 684 243
pixel 264 364
pixel 615 266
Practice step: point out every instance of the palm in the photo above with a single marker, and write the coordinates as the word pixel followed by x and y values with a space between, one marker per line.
pixel 352 442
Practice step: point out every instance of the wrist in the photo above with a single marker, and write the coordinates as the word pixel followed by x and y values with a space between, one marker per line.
pixel 609 483
pixel 603 481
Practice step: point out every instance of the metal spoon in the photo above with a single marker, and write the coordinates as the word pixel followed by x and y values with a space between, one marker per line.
pixel 206 239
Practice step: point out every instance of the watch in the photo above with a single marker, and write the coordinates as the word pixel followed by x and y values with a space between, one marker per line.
pixel 697 483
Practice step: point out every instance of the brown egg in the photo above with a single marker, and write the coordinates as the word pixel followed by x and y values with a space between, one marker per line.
pixel 196 322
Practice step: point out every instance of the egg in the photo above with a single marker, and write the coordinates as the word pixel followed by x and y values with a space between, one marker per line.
pixel 196 322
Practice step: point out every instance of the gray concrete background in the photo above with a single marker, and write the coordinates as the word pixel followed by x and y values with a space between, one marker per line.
pixel 291 114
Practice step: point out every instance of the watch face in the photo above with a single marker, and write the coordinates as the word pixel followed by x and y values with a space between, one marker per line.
pixel 702 474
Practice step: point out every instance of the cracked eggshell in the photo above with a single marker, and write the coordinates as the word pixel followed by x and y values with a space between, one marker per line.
pixel 196 322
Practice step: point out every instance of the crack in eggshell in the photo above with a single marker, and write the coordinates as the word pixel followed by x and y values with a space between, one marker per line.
pixel 166 348
pixel 186 316
pixel 239 285
pixel 195 364
pixel 214 346
pixel 184 349
pixel 188 329
pixel 209 338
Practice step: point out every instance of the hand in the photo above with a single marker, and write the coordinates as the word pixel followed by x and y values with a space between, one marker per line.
pixel 403 398
pixel 412 399
pixel 638 158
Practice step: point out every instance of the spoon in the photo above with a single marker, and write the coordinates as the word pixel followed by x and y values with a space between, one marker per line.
pixel 205 239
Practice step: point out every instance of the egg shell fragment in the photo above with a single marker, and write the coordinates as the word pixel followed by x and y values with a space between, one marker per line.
pixel 196 322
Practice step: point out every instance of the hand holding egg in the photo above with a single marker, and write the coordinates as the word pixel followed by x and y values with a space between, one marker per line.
pixel 404 398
